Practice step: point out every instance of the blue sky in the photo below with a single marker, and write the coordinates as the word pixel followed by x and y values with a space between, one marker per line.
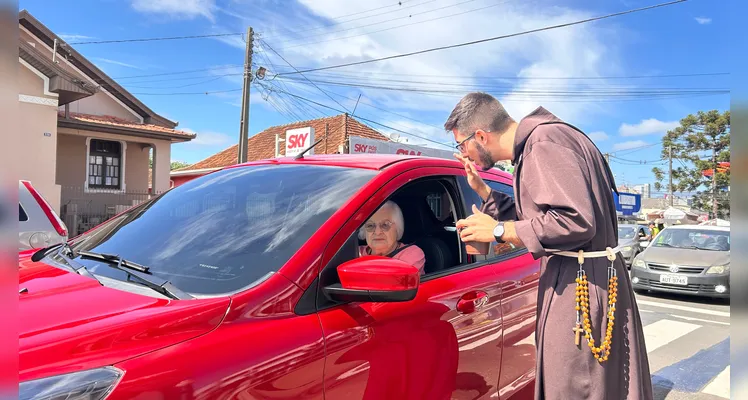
pixel 687 38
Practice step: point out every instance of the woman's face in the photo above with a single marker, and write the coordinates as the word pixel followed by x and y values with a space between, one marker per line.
pixel 381 234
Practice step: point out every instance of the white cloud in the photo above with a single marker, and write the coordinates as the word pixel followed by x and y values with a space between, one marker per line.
pixel 528 61
pixel 703 20
pixel 647 127
pixel 598 136
pixel 631 144
pixel 74 37
pixel 178 8
pixel 207 139
pixel 115 62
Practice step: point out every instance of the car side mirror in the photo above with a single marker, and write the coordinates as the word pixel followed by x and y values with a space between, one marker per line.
pixel 375 279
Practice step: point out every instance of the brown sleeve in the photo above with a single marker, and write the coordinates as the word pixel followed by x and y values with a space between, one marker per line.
pixel 500 206
pixel 555 179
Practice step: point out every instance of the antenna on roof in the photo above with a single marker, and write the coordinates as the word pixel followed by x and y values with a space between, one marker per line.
pixel 301 155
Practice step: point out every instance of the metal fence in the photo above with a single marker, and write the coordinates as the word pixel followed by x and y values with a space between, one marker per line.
pixel 83 209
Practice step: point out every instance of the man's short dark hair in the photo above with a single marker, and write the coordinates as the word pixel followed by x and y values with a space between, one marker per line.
pixel 478 111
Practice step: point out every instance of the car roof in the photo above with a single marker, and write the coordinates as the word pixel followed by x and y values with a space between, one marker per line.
pixel 367 161
pixel 701 227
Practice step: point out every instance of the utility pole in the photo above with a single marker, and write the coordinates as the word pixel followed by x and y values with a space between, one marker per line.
pixel 714 181
pixel 670 168
pixel 244 125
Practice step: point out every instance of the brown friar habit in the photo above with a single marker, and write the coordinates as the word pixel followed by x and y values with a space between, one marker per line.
pixel 564 201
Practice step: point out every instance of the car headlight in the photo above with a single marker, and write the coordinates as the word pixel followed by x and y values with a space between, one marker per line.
pixel 718 269
pixel 640 264
pixel 93 384
pixel 627 248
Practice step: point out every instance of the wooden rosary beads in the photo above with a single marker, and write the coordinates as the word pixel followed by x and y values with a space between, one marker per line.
pixel 583 311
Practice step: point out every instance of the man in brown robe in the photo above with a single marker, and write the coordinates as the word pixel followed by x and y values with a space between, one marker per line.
pixel 563 201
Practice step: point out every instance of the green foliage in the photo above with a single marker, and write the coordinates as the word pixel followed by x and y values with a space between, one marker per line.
pixel 698 144
pixel 174 164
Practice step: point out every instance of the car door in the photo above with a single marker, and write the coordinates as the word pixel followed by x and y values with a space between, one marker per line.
pixel 445 343
pixel 519 275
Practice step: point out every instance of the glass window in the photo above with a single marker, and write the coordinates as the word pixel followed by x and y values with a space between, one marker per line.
pixel 22 214
pixel 219 233
pixel 103 166
pixel 498 249
pixel 699 239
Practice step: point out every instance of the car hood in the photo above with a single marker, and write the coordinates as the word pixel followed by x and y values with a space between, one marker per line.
pixel 691 257
pixel 69 322
pixel 626 242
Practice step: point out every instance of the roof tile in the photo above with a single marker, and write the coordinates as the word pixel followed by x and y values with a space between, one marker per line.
pixel 261 146
pixel 121 122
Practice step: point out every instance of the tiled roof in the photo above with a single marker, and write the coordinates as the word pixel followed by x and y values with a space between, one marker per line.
pixel 123 123
pixel 261 146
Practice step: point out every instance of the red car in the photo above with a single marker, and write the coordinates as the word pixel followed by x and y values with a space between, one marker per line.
pixel 247 284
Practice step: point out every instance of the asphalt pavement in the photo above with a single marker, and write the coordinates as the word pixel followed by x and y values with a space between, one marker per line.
pixel 688 342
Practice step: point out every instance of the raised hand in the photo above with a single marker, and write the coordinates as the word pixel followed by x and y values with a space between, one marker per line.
pixel 474 179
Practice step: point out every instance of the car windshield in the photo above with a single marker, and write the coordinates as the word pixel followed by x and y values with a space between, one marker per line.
pixel 701 239
pixel 626 232
pixel 219 233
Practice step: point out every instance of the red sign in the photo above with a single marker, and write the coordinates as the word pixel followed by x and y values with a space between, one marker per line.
pixel 298 140
pixel 408 152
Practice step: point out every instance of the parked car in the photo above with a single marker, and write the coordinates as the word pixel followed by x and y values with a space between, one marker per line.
pixel 690 259
pixel 248 283
pixel 38 224
pixel 634 238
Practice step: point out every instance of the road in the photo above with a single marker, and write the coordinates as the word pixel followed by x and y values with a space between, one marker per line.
pixel 688 341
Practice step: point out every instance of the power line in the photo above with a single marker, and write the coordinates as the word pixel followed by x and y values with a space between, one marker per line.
pixel 289 64
pixel 188 93
pixel 365 17
pixel 154 39
pixel 369 120
pixel 390 20
pixel 399 26
pixel 490 39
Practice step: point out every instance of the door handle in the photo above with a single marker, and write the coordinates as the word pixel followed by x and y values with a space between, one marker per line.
pixel 471 301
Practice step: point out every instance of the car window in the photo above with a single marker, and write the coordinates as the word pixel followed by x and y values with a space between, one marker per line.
pixel 219 233
pixel 700 239
pixel 22 214
pixel 626 232
pixel 498 249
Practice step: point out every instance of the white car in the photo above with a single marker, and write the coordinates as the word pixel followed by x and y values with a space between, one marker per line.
pixel 39 225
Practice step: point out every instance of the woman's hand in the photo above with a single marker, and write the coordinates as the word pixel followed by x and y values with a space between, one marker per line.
pixel 474 180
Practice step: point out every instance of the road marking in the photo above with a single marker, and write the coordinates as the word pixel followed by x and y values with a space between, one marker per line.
pixel 687 318
pixel 720 386
pixel 683 308
pixel 664 331
pixel 693 374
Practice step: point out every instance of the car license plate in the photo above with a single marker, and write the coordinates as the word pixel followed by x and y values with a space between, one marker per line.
pixel 674 279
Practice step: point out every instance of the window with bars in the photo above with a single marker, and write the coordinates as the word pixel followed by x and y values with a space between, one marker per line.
pixel 104 164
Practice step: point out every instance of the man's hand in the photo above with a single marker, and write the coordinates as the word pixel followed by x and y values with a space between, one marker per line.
pixel 477 227
pixel 474 180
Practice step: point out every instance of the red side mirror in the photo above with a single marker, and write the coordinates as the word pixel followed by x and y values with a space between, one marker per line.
pixel 375 279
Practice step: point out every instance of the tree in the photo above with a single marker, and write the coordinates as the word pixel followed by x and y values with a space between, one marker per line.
pixel 699 145
pixel 174 164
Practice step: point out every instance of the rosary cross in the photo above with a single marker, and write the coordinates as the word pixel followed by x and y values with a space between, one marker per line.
pixel 578 330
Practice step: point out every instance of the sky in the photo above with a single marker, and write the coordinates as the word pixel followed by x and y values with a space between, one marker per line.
pixel 612 78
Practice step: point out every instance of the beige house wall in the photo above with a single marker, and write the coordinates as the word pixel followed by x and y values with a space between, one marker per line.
pixel 101 103
pixel 37 122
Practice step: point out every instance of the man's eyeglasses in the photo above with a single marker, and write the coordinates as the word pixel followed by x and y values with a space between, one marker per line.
pixel 461 146
pixel 385 226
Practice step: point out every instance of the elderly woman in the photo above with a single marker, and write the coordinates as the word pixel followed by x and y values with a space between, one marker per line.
pixel 383 232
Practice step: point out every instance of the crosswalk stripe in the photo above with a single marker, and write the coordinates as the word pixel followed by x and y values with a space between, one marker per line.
pixel 664 331
pixel 720 386
pixel 683 308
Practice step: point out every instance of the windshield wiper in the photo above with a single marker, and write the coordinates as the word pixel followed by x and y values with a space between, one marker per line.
pixel 74 266
pixel 141 272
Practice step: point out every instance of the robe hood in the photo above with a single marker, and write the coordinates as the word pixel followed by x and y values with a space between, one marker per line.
pixel 526 126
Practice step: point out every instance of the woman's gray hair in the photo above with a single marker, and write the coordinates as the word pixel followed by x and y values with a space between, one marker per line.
pixel 396 215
